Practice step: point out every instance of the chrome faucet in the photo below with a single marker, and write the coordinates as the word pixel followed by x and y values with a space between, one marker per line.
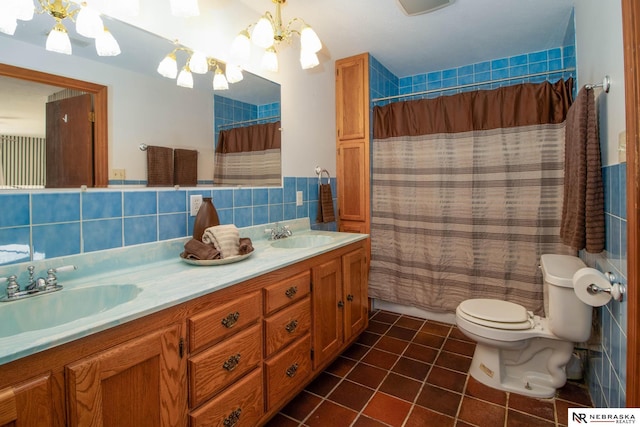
pixel 38 286
pixel 278 232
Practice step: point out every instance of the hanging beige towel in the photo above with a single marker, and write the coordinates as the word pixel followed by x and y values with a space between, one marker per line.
pixel 159 166
pixel 185 167
pixel 224 238
pixel 582 225
pixel 325 204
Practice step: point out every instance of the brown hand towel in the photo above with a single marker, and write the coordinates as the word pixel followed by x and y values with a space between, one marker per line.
pixel 185 167
pixel 325 204
pixel 582 224
pixel 195 249
pixel 246 246
pixel 159 166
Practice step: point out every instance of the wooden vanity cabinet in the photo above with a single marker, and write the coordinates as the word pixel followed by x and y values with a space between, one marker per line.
pixel 28 404
pixel 233 357
pixel 138 383
pixel 340 305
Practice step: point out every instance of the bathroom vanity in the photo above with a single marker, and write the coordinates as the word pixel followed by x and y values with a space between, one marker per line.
pixel 199 346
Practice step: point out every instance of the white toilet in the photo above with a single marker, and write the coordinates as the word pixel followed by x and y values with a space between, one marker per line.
pixel 523 353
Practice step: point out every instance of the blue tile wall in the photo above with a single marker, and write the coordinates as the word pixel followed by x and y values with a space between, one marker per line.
pixel 88 221
pixel 606 370
pixel 384 84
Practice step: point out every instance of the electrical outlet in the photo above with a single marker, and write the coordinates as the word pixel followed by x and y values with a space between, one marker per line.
pixel 298 198
pixel 195 203
pixel 118 174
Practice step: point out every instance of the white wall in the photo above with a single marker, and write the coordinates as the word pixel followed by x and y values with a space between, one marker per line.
pixel 599 52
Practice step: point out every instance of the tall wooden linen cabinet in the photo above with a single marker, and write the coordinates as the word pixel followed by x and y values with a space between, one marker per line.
pixel 352 143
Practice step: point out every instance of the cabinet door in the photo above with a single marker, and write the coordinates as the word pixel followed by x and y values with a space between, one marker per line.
pixel 27 404
pixel 355 278
pixel 138 383
pixel 327 310
pixel 352 97
pixel 353 181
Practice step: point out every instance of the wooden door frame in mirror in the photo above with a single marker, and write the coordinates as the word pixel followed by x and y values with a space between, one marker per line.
pixel 101 135
pixel 631 42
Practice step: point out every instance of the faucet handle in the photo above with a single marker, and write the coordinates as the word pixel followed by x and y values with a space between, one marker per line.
pixel 12 285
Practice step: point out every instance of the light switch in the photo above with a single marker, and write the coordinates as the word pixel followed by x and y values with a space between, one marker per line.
pixel 622 146
pixel 298 198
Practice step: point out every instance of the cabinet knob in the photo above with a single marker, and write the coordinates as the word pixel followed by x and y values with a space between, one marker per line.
pixel 291 292
pixel 233 418
pixel 291 372
pixel 349 297
pixel 291 326
pixel 340 304
pixel 231 363
pixel 230 320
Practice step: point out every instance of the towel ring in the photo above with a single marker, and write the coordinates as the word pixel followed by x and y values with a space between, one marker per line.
pixel 319 172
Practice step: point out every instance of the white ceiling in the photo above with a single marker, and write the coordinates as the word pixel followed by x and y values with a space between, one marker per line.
pixel 465 32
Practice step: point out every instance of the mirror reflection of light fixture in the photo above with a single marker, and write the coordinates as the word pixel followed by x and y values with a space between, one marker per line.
pixel 88 24
pixel 198 63
pixel 269 31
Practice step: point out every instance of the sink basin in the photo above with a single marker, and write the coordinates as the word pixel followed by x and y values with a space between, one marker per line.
pixel 298 242
pixel 57 308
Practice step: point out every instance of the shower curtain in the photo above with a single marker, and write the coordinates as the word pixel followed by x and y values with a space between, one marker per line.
pixel 249 156
pixel 466 195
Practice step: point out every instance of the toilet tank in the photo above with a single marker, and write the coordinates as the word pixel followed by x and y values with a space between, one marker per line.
pixel 568 317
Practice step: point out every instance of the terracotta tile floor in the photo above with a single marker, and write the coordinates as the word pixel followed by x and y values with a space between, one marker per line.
pixel 405 371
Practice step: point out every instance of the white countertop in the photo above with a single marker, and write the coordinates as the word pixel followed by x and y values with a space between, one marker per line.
pixel 164 279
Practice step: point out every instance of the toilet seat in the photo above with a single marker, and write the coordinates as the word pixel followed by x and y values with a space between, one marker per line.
pixel 496 314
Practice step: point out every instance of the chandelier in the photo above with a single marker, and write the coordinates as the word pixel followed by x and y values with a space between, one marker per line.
pixel 88 24
pixel 198 63
pixel 267 34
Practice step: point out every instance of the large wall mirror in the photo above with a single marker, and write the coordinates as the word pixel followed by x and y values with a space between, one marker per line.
pixel 133 104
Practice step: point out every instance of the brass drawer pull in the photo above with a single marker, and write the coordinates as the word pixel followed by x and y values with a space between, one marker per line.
pixel 230 320
pixel 233 418
pixel 232 363
pixel 291 326
pixel 291 372
pixel 291 292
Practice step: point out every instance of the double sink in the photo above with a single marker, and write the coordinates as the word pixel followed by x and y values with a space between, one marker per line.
pixel 70 304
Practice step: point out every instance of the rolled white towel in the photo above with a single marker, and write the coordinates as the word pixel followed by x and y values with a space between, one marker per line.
pixel 225 238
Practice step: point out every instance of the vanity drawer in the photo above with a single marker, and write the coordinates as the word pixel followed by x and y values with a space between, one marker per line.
pixel 287 291
pixel 217 367
pixel 286 326
pixel 212 325
pixel 287 370
pixel 240 405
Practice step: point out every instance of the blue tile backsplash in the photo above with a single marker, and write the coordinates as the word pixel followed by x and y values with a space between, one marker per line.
pixel 51 224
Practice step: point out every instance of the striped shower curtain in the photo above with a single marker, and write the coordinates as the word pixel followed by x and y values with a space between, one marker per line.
pixel 466 195
pixel 249 156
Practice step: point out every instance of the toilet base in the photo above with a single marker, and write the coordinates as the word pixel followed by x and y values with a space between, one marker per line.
pixel 537 370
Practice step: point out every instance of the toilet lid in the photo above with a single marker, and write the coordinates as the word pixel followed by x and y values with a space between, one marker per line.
pixel 496 313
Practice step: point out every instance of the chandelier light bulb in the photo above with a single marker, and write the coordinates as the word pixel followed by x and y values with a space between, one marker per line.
pixel 263 34
pixel 308 59
pixel 8 24
pixel 106 44
pixel 89 23
pixel 24 10
pixel 270 60
pixel 58 40
pixel 309 40
pixel 168 67
pixel 219 80
pixel 234 73
pixel 241 47
pixel 185 78
pixel 198 63
pixel 184 8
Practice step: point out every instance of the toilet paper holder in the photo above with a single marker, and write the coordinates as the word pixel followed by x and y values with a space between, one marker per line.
pixel 617 289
